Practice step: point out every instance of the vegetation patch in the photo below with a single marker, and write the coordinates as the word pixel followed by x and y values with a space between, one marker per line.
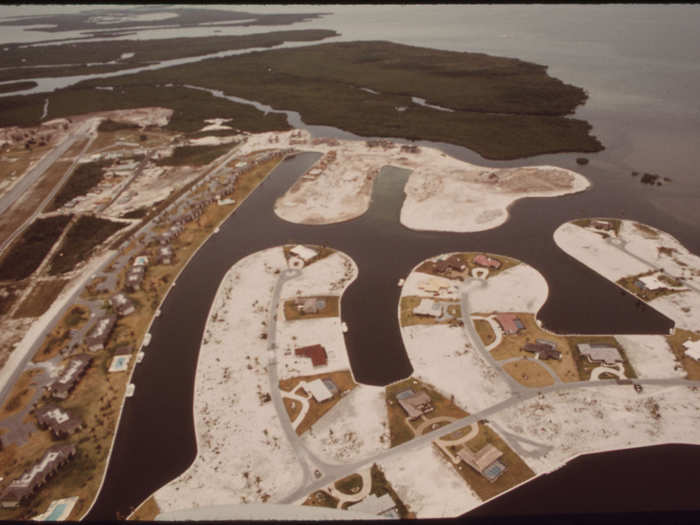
pixel 342 379
pixel 321 499
pixel 16 86
pixel 8 297
pixel 381 486
pixel 85 177
pixel 587 223
pixel 21 393
pixel 675 341
pixel 26 254
pixel 485 331
pixel 632 284
pixel 503 108
pixel 409 302
pixel 585 367
pixel 147 511
pixel 40 298
pixel 111 125
pixel 400 429
pixel 517 471
pixel 529 373
pixel 195 155
pixel 80 242
pixel 512 346
pixel 330 308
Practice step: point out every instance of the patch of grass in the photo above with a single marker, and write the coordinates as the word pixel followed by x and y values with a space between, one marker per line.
pixel 350 484
pixel 139 213
pixel 517 471
pixel 85 177
pixel 292 313
pixel 342 379
pixel 322 252
pixel 584 366
pixel 40 298
pixel 8 297
pixel 147 511
pixel 400 430
pixel 381 486
pixel 467 258
pixel 630 283
pixel 675 341
pixel 20 395
pixel 195 155
pixel 16 86
pixel 408 318
pixel 648 231
pixel 80 242
pixel 512 346
pixel 483 328
pixel 26 253
pixel 529 373
pixel 321 499
pixel 111 125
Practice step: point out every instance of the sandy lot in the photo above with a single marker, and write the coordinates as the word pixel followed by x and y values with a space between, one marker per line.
pixel 236 432
pixel 429 485
pixel 651 356
pixel 595 420
pixel 442 193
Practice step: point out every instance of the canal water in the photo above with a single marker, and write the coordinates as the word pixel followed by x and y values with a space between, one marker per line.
pixel 155 440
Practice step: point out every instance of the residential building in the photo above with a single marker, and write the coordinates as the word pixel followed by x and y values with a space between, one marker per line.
pixel 453 262
pixel 122 305
pixel 69 378
pixel 485 461
pixel 415 404
pixel 510 323
pixel 542 351
pixel 318 390
pixel 603 225
pixel 134 278
pixel 487 262
pixel 60 421
pixel 100 332
pixel 429 308
pixel 165 255
pixel 23 488
pixel 303 252
pixel 317 354
pixel 309 305
pixel 600 353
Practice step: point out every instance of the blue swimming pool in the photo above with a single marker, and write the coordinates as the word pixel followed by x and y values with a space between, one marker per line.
pixel 56 513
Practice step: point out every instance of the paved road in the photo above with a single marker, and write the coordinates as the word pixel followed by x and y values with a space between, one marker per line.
pixel 38 170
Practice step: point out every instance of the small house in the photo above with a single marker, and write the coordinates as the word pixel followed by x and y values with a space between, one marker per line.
pixel 542 351
pixel 510 323
pixel 318 390
pixel 415 404
pixel 487 262
pixel 317 354
pixel 485 461
pixel 600 353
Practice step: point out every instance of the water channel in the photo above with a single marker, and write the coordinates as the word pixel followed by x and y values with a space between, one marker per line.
pixel 155 440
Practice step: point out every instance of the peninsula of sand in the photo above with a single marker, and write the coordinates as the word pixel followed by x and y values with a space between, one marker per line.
pixel 442 193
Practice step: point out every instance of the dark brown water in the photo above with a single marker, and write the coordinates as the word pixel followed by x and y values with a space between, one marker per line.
pixel 155 440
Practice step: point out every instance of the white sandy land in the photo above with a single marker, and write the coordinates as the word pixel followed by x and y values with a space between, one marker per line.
pixel 650 356
pixel 595 252
pixel 355 428
pixel 449 195
pixel 212 141
pixel 328 276
pixel 520 288
pixel 679 262
pixel 428 484
pixel 215 124
pixel 230 420
pixel 591 420
pixel 682 307
pixel 443 356
pixel 613 263
pixel 442 193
